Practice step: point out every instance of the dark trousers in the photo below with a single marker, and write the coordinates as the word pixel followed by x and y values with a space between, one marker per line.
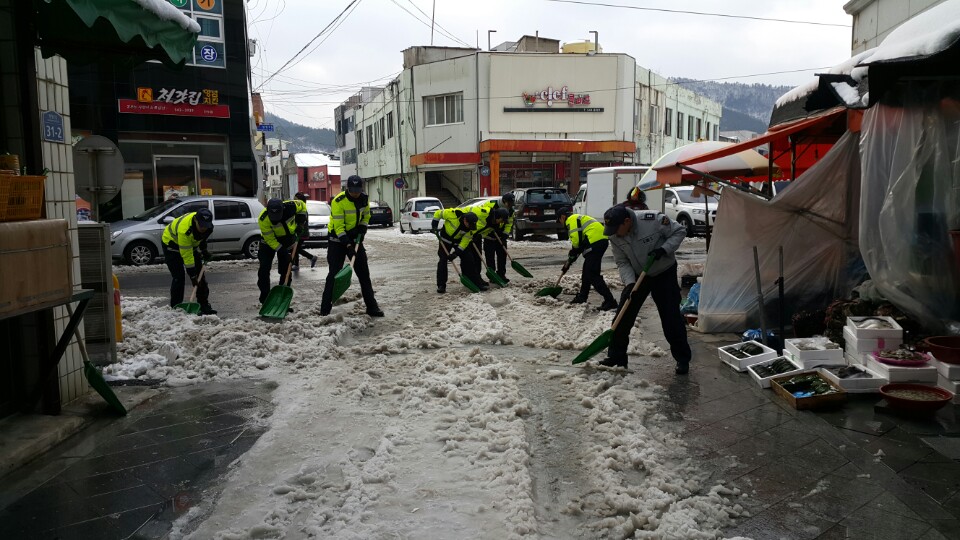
pixel 666 294
pixel 175 265
pixel 443 263
pixel 496 255
pixel 471 262
pixel 592 257
pixel 336 254
pixel 301 251
pixel 266 263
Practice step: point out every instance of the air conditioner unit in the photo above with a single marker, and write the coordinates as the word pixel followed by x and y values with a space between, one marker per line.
pixel 96 272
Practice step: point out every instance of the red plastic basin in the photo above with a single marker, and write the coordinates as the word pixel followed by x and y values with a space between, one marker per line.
pixel 915 405
pixel 944 348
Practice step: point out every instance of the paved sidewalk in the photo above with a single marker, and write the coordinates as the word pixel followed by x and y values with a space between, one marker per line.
pixel 849 473
pixel 135 477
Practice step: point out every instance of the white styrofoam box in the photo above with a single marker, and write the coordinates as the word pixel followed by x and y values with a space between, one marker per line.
pixel 895 332
pixel 857 346
pixel 951 372
pixel 764 382
pixel 816 357
pixel 740 364
pixel 952 386
pixel 861 385
pixel 857 360
pixel 920 374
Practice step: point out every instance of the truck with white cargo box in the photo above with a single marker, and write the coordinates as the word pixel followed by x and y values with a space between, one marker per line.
pixel 608 186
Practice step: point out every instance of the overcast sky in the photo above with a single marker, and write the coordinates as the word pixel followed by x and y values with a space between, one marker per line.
pixel 366 47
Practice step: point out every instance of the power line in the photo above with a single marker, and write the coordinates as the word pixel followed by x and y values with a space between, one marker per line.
pixel 443 32
pixel 440 26
pixel 702 13
pixel 316 37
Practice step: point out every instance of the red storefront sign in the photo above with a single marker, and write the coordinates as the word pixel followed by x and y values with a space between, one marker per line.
pixel 132 106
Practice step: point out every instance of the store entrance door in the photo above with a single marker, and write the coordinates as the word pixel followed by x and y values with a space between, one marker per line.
pixel 176 176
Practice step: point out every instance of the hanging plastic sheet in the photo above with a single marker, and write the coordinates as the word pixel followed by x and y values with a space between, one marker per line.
pixel 910 156
pixel 816 223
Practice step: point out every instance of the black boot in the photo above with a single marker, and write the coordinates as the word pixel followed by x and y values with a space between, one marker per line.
pixel 441 289
pixel 682 368
pixel 608 304
pixel 206 309
pixel 613 362
pixel 374 311
pixel 579 300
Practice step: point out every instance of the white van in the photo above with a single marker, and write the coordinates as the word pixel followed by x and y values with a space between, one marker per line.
pixel 608 186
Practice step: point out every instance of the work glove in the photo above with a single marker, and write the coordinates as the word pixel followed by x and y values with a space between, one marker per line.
pixel 453 254
pixel 351 250
pixel 361 230
pixel 193 273
pixel 566 266
pixel 658 253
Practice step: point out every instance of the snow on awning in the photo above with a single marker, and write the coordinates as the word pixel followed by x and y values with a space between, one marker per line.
pixel 131 30
pixel 842 85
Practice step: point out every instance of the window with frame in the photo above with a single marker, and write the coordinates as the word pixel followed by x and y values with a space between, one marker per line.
pixel 716 132
pixel 679 125
pixel 383 132
pixel 191 206
pixel 445 109
pixel 230 210
pixel 691 126
pixel 389 125
pixel 370 138
pixel 706 132
pixel 699 129
pixel 668 122
pixel 209 50
pixel 654 119
pixel 358 135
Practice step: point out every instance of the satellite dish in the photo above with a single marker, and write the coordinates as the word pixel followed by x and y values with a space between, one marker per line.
pixel 98 170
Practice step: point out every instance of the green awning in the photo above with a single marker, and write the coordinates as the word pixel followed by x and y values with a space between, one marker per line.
pixel 126 31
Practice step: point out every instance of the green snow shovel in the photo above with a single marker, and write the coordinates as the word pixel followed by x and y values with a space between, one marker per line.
pixel 556 289
pixel 192 307
pixel 517 267
pixel 603 340
pixel 491 273
pixel 278 301
pixel 341 281
pixel 463 279
pixel 94 377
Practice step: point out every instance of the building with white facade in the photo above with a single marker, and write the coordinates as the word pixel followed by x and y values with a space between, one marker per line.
pixel 275 152
pixel 459 123
pixel 873 20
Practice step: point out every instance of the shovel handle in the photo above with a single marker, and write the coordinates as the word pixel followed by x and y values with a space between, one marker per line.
pixel 507 252
pixel 193 294
pixel 445 250
pixel 293 256
pixel 636 286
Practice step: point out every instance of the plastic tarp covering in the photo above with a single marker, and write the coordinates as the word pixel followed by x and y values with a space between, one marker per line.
pixel 816 222
pixel 911 201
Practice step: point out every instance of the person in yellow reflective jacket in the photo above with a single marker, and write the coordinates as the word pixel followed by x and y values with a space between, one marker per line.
pixel 587 238
pixel 455 237
pixel 492 220
pixel 495 243
pixel 184 243
pixel 278 234
pixel 349 217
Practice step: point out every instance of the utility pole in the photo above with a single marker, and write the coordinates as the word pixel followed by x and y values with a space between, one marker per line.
pixel 433 15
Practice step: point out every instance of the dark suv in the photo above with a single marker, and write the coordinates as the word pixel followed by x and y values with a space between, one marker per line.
pixel 536 211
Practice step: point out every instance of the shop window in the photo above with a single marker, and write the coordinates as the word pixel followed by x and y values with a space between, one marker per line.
pixel 446 109
pixel 389 125
pixel 668 122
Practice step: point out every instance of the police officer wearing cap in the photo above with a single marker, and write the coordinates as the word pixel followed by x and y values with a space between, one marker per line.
pixel 185 245
pixel 587 238
pixel 495 243
pixel 455 238
pixel 634 236
pixel 349 216
pixel 278 233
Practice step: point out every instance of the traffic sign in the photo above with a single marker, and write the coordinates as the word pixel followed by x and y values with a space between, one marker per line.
pixel 484 171
pixel 399 183
pixel 267 128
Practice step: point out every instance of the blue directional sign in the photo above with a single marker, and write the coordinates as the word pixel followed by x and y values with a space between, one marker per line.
pixel 266 128
pixel 53 127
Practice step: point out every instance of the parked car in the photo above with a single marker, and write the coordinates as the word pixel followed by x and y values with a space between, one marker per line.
pixel 318 223
pixel 380 214
pixel 536 211
pixel 417 214
pixel 691 212
pixel 235 230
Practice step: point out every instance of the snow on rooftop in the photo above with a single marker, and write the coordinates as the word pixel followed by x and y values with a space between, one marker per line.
pixel 314 160
pixel 847 67
pixel 166 11
pixel 923 35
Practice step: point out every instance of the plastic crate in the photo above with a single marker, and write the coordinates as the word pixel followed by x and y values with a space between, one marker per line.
pixel 21 197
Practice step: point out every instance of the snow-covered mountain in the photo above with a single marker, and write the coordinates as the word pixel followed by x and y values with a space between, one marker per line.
pixel 745 106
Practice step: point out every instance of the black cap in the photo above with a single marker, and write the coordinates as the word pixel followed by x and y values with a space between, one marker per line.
pixel 613 218
pixel 500 213
pixel 470 220
pixel 508 198
pixel 275 209
pixel 355 184
pixel 300 196
pixel 203 218
pixel 564 211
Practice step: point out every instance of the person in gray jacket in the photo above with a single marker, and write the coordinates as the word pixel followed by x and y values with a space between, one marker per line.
pixel 634 236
